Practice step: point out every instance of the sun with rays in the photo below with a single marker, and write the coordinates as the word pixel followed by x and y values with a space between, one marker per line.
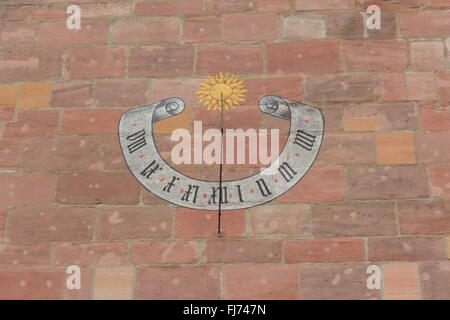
pixel 221 90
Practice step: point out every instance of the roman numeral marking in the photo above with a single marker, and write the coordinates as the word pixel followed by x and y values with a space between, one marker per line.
pixel 188 193
pixel 286 171
pixel 223 196
pixel 138 139
pixel 304 140
pixel 150 169
pixel 240 193
pixel 263 187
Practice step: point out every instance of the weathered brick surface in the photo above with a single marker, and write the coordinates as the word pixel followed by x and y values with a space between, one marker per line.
pixel 261 282
pixel 243 251
pixel 368 219
pixel 324 250
pixel 430 217
pixel 378 192
pixel 177 283
pixel 51 224
pixel 91 254
pixel 387 183
pixel 119 223
pixel 406 249
pixel 335 281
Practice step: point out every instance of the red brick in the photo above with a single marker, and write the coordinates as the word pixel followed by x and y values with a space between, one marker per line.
pixel 6 113
pixel 3 214
pixel 431 217
pixel 134 223
pixel 237 59
pixel 406 249
pixel 95 62
pixel 347 149
pixel 400 281
pixel 146 30
pixel 31 284
pixel 335 281
pixel 432 146
pixel 23 1
pixel 56 33
pixel 114 283
pixel 82 1
pixel 169 8
pixel 106 10
pixel 121 93
pixel 45 13
pixel 91 254
pixel 150 199
pixel 303 26
pixel 86 122
pixel 345 25
pixel 30 64
pixel 393 86
pixel 319 185
pixel 27 189
pixel 443 86
pixel 31 254
pixel 184 88
pixel 387 183
pixel 353 220
pixel 280 220
pixel 319 56
pixel 72 94
pixel 9 154
pixel 97 188
pixel 427 56
pixel 393 5
pixel 215 6
pixel 161 61
pixel 341 88
pixel 323 4
pixel 440 181
pixel 244 27
pixel 438 3
pixel 395 148
pixel 374 55
pixel 33 123
pixel 202 29
pixel 177 283
pixel 28 224
pixel 239 251
pixel 260 282
pixel 11 13
pixel 164 252
pixel 435 277
pixel 286 87
pixel 424 23
pixel 18 34
pixel 272 5
pixel 433 118
pixel 112 158
pixel 66 153
pixel 200 224
pixel 324 250
pixel 420 86
pixel 389 116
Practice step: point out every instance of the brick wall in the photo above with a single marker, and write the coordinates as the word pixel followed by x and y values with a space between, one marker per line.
pixel 379 193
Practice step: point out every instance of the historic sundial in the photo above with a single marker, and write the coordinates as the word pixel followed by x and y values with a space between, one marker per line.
pixel 220 93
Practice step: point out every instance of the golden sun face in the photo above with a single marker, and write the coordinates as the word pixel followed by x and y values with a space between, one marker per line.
pixel 221 91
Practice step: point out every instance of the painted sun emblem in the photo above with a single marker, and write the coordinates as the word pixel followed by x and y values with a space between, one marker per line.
pixel 221 91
